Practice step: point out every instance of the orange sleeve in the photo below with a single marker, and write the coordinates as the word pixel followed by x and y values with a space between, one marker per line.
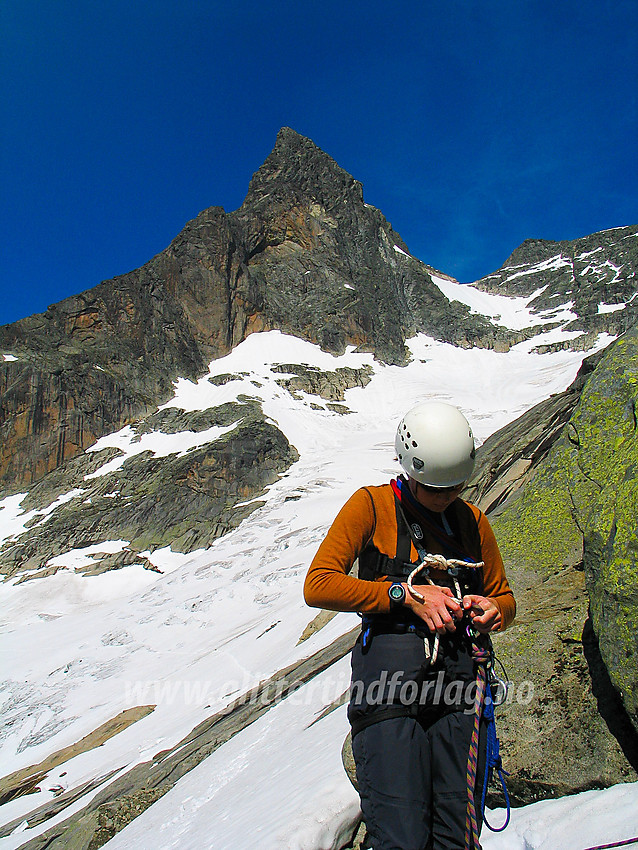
pixel 495 584
pixel 328 583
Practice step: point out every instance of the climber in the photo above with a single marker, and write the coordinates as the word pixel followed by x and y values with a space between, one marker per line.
pixel 414 671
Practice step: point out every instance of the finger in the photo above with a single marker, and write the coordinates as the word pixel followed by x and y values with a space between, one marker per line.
pixel 458 614
pixel 429 622
pixel 484 623
pixel 448 619
pixel 424 614
pixel 472 599
pixel 439 621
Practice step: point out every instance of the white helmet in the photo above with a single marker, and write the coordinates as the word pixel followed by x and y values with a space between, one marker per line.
pixel 435 445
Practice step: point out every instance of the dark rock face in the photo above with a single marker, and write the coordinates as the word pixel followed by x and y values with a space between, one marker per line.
pixel 323 265
pixel 304 254
pixel 561 483
pixel 600 269
pixel 184 500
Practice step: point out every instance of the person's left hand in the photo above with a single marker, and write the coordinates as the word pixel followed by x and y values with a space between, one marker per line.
pixel 483 611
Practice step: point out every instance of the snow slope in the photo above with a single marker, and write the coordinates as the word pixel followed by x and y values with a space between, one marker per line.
pixel 78 650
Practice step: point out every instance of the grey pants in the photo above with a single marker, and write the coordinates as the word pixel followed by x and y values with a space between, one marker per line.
pixel 413 784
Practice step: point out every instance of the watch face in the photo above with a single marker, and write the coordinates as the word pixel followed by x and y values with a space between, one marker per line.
pixel 397 592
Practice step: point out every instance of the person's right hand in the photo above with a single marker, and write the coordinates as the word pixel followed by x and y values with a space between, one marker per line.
pixel 439 610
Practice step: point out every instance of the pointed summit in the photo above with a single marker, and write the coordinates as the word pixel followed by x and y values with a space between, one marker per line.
pixel 299 169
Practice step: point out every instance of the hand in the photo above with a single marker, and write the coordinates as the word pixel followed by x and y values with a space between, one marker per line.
pixel 439 610
pixel 483 612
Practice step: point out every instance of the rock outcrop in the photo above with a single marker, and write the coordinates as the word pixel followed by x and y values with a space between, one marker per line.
pixel 511 456
pixel 184 500
pixel 560 487
pixel 580 509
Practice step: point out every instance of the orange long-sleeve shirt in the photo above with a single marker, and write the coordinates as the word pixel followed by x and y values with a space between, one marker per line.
pixel 362 520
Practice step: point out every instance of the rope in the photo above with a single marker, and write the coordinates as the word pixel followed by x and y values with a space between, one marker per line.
pixel 484 708
pixel 471 821
pixel 624 843
pixel 439 562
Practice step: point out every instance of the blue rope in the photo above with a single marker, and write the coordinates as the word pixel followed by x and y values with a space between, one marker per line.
pixel 493 760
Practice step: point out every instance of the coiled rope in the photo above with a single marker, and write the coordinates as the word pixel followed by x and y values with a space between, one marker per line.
pixel 484 708
pixel 439 562
pixel 471 821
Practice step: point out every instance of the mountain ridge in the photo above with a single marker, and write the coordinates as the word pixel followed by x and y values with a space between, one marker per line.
pixel 594 278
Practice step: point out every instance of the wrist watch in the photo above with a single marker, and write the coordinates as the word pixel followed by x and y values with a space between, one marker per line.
pixel 396 592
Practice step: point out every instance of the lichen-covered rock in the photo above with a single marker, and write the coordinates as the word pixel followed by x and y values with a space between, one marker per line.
pixel 582 506
pixel 511 456
pixel 565 728
pixel 603 436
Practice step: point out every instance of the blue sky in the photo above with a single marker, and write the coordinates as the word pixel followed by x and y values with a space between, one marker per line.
pixel 472 126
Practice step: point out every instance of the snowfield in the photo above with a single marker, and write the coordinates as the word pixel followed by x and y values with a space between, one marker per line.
pixel 78 650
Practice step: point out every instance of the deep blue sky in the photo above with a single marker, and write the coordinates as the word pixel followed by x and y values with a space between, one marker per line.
pixel 472 126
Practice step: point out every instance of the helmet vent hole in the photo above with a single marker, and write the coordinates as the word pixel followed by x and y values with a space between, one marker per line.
pixel 414 444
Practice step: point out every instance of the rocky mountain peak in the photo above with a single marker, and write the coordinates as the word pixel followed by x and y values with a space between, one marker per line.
pixel 531 251
pixel 300 172
pixel 303 254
